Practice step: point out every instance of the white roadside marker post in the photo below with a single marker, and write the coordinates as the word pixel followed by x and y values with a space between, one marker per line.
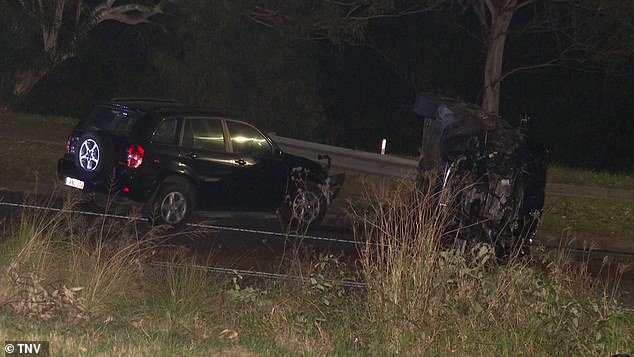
pixel 384 181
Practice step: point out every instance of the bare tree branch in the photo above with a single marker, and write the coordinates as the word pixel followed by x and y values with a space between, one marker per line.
pixel 518 69
pixel 131 14
pixel 78 11
pixel 51 16
pixel 348 20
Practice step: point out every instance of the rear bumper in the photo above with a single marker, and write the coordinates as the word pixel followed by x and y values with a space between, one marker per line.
pixel 67 168
pixel 124 183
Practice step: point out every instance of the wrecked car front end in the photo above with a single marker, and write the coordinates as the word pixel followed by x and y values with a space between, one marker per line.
pixel 496 173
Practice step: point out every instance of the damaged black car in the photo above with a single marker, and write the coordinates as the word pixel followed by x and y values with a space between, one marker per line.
pixel 495 171
pixel 175 158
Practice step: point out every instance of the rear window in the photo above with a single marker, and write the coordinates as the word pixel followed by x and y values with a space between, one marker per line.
pixel 116 121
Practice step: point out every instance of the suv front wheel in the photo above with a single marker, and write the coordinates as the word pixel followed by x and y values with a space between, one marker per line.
pixel 303 208
pixel 174 201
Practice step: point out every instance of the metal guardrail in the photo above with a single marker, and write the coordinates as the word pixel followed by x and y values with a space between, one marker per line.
pixel 348 159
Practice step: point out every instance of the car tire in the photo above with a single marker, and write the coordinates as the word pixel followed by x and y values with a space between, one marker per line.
pixel 93 154
pixel 174 202
pixel 303 208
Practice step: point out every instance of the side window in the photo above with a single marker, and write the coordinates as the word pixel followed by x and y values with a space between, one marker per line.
pixel 247 140
pixel 166 132
pixel 204 133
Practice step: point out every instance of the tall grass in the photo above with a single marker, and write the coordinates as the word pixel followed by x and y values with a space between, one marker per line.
pixel 61 269
pixel 426 299
pixel 92 285
pixel 52 251
pixel 400 256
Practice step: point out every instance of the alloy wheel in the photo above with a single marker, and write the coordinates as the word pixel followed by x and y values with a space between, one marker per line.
pixel 89 155
pixel 173 208
pixel 305 206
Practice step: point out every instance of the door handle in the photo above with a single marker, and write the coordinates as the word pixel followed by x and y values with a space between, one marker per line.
pixel 241 162
pixel 191 155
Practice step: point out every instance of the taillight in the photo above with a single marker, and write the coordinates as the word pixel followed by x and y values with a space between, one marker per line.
pixel 68 141
pixel 135 156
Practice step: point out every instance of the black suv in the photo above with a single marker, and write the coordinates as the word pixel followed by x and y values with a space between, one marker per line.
pixel 175 158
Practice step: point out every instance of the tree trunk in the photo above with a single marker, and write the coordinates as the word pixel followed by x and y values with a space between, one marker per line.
pixel 55 50
pixel 27 80
pixel 500 21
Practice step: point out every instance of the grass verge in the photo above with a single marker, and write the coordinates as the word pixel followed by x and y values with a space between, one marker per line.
pixel 25 165
pixel 424 300
pixel 92 286
pixel 24 122
pixel 31 145
pixel 597 220
pixel 584 177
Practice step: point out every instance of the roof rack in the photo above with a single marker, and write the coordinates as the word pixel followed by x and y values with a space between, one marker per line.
pixel 154 100
pixel 158 105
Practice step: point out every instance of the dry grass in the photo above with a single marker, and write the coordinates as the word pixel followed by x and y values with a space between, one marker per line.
pixel 59 254
pixel 426 299
pixel 90 286
pixel 291 335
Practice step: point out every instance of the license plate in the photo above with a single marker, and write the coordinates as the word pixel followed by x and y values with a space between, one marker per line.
pixel 69 181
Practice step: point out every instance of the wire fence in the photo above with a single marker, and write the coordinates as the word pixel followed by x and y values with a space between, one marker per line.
pixel 210 269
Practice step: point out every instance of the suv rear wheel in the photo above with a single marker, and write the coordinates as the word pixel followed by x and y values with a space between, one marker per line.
pixel 174 201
